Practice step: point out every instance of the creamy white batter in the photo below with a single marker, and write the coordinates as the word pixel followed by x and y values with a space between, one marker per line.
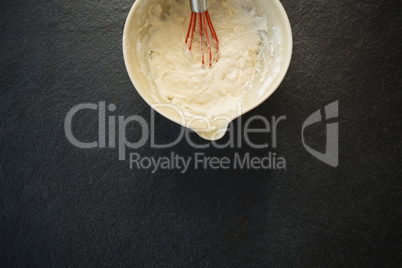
pixel 177 74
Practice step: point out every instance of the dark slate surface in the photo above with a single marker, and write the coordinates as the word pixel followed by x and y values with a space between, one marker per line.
pixel 64 206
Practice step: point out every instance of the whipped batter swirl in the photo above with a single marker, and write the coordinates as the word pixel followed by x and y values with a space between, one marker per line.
pixel 177 74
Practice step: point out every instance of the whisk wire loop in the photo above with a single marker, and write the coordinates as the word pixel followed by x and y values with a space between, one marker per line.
pixel 204 19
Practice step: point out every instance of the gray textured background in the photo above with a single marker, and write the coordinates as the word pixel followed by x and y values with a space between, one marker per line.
pixel 62 206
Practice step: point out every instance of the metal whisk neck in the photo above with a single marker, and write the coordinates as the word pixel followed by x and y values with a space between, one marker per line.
pixel 199 6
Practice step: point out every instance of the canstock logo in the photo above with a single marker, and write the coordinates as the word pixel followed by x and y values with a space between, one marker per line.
pixel 330 156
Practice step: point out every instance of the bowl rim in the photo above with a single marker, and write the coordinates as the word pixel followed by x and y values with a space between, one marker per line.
pixel 273 87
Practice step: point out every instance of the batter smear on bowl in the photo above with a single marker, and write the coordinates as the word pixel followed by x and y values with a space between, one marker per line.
pixel 176 73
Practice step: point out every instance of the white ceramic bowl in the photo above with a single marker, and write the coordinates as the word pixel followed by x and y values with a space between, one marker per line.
pixel 280 35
